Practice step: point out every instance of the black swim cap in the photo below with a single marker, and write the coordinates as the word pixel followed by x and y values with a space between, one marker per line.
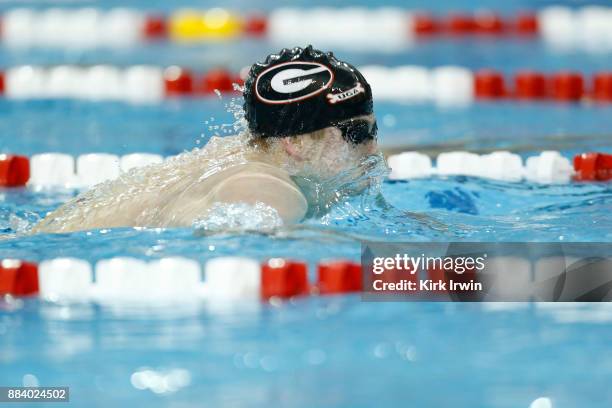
pixel 302 90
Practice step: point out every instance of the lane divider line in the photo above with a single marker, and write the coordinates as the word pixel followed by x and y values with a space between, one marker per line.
pixel 444 85
pixel 232 280
pixel 549 167
pixel 58 170
pixel 381 29
pixel 174 278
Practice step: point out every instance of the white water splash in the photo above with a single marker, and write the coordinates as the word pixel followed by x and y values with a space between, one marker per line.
pixel 239 216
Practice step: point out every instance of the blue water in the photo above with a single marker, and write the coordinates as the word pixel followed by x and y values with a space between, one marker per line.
pixel 325 352
pixel 249 5
pixel 318 352
pixel 507 55
pixel 336 351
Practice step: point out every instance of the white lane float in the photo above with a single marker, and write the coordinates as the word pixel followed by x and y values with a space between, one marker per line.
pixel 452 86
pixel 66 82
pixel 230 278
pixel 409 165
pixel 52 170
pixel 102 83
pixel 122 279
pixel 94 168
pixel 383 29
pixel 143 84
pixel 134 160
pixel 25 82
pixel 502 165
pixel 558 27
pixel 65 279
pixel 174 277
pixel 549 167
pixel 415 83
pixel 459 164
pixel 73 28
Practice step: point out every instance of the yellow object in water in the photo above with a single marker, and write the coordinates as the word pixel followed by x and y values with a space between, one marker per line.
pixel 213 24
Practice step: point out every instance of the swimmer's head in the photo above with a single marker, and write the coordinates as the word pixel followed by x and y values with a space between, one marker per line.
pixel 318 107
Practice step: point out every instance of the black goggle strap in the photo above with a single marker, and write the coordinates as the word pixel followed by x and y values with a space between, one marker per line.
pixel 358 130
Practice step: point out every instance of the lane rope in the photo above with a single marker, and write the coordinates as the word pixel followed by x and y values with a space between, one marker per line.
pixel 381 29
pixel 58 170
pixel 444 85
pixel 175 278
pixel 230 280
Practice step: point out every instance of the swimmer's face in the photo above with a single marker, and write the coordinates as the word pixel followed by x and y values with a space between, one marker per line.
pixel 329 153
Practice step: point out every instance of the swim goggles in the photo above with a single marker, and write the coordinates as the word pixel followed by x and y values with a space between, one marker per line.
pixel 358 130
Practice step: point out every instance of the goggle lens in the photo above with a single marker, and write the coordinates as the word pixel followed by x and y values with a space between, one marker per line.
pixel 358 130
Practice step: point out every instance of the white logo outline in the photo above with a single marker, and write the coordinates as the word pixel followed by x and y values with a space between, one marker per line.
pixel 309 95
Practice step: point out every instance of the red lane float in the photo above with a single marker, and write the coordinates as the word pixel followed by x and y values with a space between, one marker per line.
pixel 567 86
pixel 561 86
pixel 489 84
pixel 218 79
pixel 526 24
pixel 602 86
pixel 178 81
pixel 155 27
pixel 14 170
pixel 425 25
pixel 256 25
pixel 530 85
pixel 339 277
pixel 593 167
pixel 489 23
pixel 284 278
pixel 459 24
pixel 18 278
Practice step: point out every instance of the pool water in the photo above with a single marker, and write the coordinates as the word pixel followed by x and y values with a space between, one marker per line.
pixel 331 351
pixel 337 352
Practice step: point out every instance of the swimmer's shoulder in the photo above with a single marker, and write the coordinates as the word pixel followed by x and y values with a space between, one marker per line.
pixel 261 167
pixel 255 182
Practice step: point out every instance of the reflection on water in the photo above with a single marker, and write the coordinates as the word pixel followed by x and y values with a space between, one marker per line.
pixel 161 381
pixel 288 354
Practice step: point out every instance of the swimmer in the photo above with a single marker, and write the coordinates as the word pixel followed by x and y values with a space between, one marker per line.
pixel 309 116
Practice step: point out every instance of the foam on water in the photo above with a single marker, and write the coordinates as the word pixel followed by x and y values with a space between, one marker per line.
pixel 239 216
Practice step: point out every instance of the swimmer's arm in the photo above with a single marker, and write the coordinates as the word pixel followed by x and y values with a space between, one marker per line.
pixel 251 188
